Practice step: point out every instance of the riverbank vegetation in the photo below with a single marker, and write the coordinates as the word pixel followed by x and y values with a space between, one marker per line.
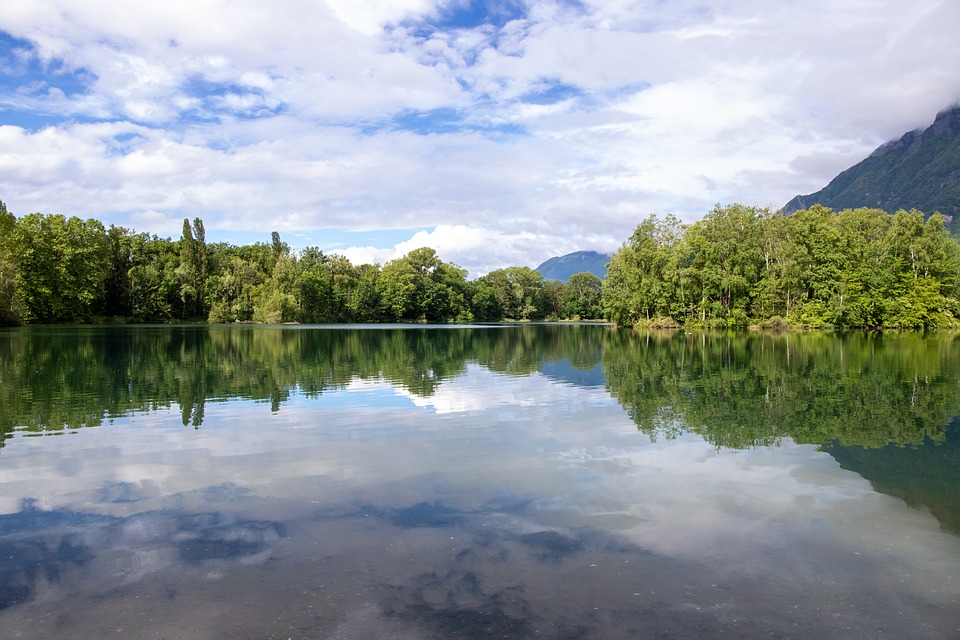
pixel 738 266
pixel 55 269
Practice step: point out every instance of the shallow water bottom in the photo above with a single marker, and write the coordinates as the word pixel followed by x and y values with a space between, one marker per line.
pixel 230 564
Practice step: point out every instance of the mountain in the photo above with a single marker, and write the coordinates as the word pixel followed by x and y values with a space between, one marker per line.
pixel 921 171
pixel 562 267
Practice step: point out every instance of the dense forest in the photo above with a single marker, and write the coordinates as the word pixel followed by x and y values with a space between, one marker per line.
pixel 738 266
pixel 55 269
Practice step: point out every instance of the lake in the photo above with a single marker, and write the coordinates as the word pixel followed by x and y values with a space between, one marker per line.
pixel 499 481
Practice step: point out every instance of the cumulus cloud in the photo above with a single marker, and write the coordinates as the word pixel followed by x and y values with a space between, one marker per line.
pixel 512 133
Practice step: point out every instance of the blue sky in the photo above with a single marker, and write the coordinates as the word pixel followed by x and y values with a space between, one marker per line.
pixel 499 132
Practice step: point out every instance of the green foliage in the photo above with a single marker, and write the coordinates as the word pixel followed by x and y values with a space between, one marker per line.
pixel 12 309
pixel 192 271
pixel 315 286
pixel 581 296
pixel 421 287
pixel 518 292
pixel 722 256
pixel 363 301
pixel 62 265
pixel 643 277
pixel 483 300
pixel 232 291
pixel 816 268
pixel 154 291
pixel 279 301
pixel 738 266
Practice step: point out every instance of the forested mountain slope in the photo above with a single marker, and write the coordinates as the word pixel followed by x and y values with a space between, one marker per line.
pixel 920 171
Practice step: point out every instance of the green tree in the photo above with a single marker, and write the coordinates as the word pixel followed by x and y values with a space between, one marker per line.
pixel 346 278
pixel 192 271
pixel 642 280
pixel 924 262
pixel 316 286
pixel 518 292
pixel 117 287
pixel 771 295
pixel 63 265
pixel 12 310
pixel 363 304
pixel 582 296
pixel 811 276
pixel 867 277
pixel 233 291
pixel 483 301
pixel 187 271
pixel 200 239
pixel 154 289
pixel 939 255
pixel 420 286
pixel 724 259
pixel 551 302
pixel 277 247
pixel 279 301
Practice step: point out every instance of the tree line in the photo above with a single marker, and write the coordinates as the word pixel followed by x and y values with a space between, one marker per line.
pixel 738 266
pixel 56 269
pixel 741 266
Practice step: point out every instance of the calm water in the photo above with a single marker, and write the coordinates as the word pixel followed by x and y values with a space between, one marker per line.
pixel 482 482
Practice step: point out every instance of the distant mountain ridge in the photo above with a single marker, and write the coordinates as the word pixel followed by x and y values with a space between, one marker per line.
pixel 562 267
pixel 921 171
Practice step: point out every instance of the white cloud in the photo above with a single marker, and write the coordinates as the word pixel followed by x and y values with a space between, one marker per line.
pixel 561 129
pixel 370 16
pixel 365 255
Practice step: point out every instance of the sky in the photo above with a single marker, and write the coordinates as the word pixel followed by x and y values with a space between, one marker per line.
pixel 498 132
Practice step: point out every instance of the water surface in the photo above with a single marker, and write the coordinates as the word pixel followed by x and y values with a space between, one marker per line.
pixel 498 481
